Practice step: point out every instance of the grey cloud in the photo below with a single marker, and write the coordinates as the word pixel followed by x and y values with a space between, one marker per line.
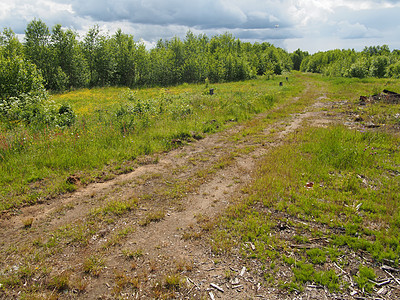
pixel 265 34
pixel 379 18
pixel 338 22
pixel 200 14
pixel 353 31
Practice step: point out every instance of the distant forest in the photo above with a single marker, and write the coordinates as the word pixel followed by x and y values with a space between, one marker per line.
pixel 60 60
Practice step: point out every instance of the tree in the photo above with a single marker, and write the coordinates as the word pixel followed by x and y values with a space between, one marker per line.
pixel 100 56
pixel 37 39
pixel 18 76
pixel 124 48
pixel 11 46
pixel 91 43
pixel 21 90
pixel 394 70
pixel 378 66
pixel 297 57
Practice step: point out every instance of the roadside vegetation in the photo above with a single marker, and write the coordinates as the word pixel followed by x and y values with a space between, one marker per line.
pixel 321 212
pixel 325 204
pixel 115 128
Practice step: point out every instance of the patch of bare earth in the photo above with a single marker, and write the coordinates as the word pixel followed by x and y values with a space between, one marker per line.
pixel 165 250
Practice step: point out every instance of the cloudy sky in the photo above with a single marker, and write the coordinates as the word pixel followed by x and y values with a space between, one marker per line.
pixel 310 25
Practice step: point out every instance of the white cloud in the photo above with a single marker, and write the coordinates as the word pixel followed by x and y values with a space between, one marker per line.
pixel 347 30
pixel 306 23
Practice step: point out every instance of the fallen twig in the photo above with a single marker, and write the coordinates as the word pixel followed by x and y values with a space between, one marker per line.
pixel 211 295
pixel 382 283
pixel 303 246
pixel 191 281
pixel 315 286
pixel 217 287
pixel 236 286
pixel 395 279
pixel 336 265
pixel 389 268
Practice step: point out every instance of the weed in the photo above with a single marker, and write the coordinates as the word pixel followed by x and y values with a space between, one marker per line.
pixel 109 130
pixel 328 279
pixel 191 234
pixel 28 222
pixel 316 256
pixel 118 236
pixel 133 254
pixel 155 216
pixel 228 274
pixel 351 205
pixel 183 265
pixel 93 265
pixel 303 272
pixel 59 282
pixel 124 281
pixel 173 282
pixel 364 277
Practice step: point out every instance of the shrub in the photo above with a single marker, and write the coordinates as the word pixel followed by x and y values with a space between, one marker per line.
pixel 23 98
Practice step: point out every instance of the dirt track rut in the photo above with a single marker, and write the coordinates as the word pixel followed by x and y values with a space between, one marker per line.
pixel 191 186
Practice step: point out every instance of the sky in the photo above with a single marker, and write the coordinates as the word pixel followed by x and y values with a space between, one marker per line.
pixel 311 25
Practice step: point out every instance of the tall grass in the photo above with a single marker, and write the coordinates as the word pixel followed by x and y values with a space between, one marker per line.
pixel 353 200
pixel 116 125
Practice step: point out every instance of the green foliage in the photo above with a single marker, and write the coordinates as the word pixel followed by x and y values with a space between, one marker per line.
pixel 23 98
pixel 297 58
pixel 358 69
pixel 101 60
pixel 364 277
pixel 353 202
pixel 376 61
pixel 303 272
pixel 112 127
pixel 378 66
pixel 393 70
pixel 93 265
pixel 18 76
pixel 9 44
pixel 316 256
pixel 327 278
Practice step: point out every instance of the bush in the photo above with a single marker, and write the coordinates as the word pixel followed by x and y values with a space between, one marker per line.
pixel 17 76
pixel 394 70
pixel 23 98
pixel 358 70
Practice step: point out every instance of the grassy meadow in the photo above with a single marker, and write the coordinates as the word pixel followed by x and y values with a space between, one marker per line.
pixel 115 126
pixel 322 208
pixel 335 189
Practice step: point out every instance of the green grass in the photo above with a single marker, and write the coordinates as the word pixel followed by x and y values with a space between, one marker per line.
pixel 332 203
pixel 93 265
pixel 353 204
pixel 114 127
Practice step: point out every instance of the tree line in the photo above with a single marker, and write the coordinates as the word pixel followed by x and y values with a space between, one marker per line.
pixel 373 61
pixel 58 59
pixel 66 60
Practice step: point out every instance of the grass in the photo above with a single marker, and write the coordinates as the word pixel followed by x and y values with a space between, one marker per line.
pixel 353 204
pixel 173 281
pixel 93 265
pixel 154 216
pixel 351 208
pixel 114 127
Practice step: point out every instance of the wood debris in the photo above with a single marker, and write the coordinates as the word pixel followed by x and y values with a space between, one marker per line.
pixel 217 287
pixel 385 97
pixel 211 295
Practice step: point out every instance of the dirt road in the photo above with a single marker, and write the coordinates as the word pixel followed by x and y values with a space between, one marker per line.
pixel 82 246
